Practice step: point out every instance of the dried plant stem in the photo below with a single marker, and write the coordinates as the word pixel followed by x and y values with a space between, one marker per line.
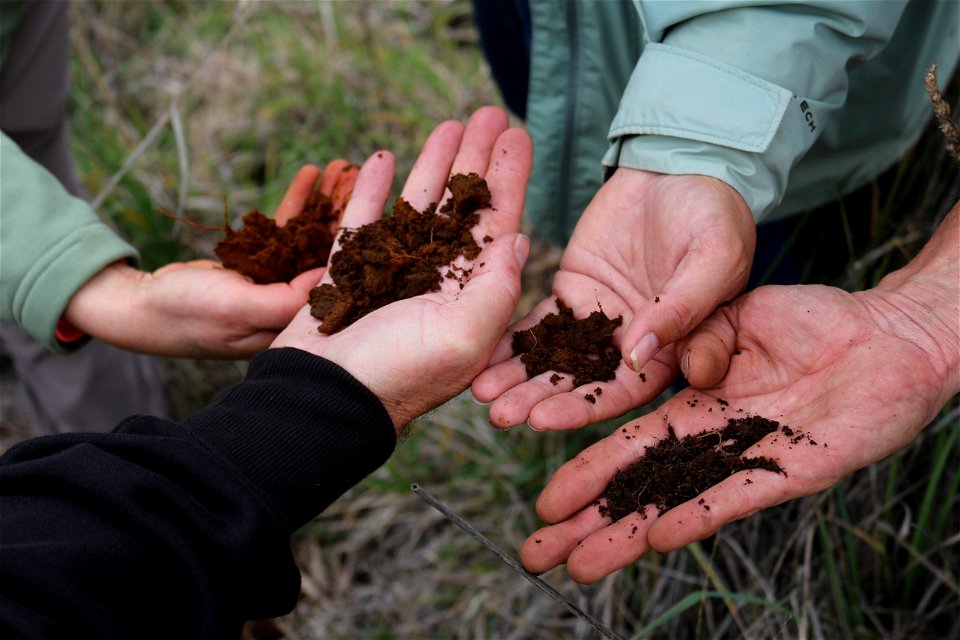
pixel 951 132
pixel 192 223
pixel 598 626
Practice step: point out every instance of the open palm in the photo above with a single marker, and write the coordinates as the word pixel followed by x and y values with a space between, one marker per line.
pixel 662 251
pixel 414 354
pixel 841 368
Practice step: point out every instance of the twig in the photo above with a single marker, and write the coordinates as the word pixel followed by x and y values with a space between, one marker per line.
pixel 598 626
pixel 951 132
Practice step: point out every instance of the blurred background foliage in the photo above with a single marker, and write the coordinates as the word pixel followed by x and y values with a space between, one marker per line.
pixel 187 105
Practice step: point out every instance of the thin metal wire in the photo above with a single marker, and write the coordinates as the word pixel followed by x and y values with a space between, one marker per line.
pixel 516 566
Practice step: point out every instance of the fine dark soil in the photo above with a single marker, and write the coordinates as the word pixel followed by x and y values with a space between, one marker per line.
pixel 401 256
pixel 268 253
pixel 582 348
pixel 677 470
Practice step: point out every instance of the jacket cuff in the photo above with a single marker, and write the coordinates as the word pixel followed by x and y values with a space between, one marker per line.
pixel 684 113
pixel 301 428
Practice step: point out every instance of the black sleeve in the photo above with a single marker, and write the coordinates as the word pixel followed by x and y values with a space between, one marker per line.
pixel 182 530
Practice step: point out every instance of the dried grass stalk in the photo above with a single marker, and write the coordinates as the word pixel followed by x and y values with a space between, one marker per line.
pixel 951 132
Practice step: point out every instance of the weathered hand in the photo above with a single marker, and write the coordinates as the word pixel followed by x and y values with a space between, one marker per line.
pixel 860 374
pixel 417 353
pixel 198 309
pixel 662 251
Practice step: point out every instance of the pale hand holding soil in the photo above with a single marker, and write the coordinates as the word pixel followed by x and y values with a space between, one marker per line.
pixel 417 353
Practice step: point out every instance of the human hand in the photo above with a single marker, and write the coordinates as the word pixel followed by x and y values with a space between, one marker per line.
pixel 415 354
pixel 198 309
pixel 662 251
pixel 859 374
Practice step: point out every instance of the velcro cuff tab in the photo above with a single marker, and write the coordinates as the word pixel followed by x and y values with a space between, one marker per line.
pixel 676 92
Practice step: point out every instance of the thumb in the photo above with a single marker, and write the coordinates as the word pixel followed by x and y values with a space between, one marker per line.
pixel 297 194
pixel 681 305
pixel 705 353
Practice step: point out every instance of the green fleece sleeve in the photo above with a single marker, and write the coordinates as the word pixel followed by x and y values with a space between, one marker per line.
pixel 741 91
pixel 51 243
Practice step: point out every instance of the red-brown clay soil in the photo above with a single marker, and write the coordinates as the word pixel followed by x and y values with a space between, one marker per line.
pixel 582 348
pixel 401 256
pixel 268 253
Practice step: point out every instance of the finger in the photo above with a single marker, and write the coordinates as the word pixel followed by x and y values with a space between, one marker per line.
pixel 369 195
pixel 706 352
pixel 507 176
pixel 308 280
pixel 497 378
pixel 737 497
pixel 610 399
pixel 582 479
pixel 297 194
pixel 272 306
pixel 429 175
pixel 490 296
pixel 689 297
pixel 612 548
pixel 551 546
pixel 331 175
pixel 483 128
pixel 514 405
pixel 339 179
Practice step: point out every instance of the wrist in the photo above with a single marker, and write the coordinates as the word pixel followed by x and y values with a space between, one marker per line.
pixel 100 307
pixel 921 302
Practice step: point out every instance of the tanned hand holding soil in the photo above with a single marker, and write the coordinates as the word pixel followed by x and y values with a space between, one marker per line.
pixel 787 410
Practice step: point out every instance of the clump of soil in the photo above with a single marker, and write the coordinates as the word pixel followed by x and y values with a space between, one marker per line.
pixel 401 256
pixel 268 253
pixel 583 348
pixel 674 471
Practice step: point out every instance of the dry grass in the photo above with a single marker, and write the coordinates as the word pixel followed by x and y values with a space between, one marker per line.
pixel 237 96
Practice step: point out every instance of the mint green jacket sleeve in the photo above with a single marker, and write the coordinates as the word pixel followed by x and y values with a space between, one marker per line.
pixel 742 91
pixel 51 243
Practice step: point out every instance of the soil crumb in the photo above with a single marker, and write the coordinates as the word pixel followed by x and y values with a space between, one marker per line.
pixel 401 256
pixel 582 348
pixel 677 470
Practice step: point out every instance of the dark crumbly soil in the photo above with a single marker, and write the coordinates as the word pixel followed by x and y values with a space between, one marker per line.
pixel 400 256
pixel 267 253
pixel 583 348
pixel 677 470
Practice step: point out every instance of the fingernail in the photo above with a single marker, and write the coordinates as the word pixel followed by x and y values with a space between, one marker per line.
pixel 521 248
pixel 533 428
pixel 644 350
pixel 685 364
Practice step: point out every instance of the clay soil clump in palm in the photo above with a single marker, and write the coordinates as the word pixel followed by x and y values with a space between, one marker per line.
pixel 267 253
pixel 401 256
